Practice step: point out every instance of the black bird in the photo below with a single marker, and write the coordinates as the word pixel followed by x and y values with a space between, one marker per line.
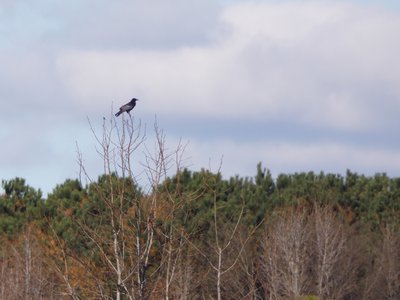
pixel 127 107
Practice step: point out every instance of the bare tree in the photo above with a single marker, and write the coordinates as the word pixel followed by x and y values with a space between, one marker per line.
pixel 335 265
pixel 125 241
pixel 383 279
pixel 61 263
pixel 309 251
pixel 24 272
pixel 165 202
pixel 184 275
pixel 222 247
pixel 286 257
pixel 116 146
pixel 390 261
pixel 242 282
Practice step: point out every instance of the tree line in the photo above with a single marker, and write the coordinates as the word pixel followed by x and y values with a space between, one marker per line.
pixel 195 235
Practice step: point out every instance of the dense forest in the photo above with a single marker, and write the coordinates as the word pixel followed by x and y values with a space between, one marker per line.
pixel 196 235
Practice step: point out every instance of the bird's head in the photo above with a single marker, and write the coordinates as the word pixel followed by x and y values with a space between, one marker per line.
pixel 134 100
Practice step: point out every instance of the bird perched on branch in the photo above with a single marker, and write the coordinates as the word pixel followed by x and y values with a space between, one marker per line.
pixel 127 107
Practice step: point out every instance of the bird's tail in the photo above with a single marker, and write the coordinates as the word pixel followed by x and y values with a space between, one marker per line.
pixel 118 113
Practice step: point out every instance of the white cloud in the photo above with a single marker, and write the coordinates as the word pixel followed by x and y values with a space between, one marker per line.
pixel 312 62
pixel 305 70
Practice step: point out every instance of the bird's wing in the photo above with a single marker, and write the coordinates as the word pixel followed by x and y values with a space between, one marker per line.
pixel 125 107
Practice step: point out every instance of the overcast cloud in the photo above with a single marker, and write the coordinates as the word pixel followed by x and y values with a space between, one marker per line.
pixel 297 85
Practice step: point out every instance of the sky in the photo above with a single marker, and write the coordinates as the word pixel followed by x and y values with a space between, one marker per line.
pixel 296 85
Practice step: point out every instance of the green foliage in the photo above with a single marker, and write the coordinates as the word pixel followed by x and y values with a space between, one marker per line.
pixel 62 206
pixel 19 205
pixel 370 200
pixel 71 209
